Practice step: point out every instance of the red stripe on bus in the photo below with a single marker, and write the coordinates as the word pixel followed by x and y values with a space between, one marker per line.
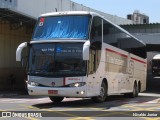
pixel 116 52
pixel 138 60
pixel 125 55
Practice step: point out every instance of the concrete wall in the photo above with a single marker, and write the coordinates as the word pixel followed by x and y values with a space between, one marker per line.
pixel 9 41
pixel 36 7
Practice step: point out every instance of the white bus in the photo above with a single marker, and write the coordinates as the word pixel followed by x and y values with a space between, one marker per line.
pixel 155 65
pixel 82 54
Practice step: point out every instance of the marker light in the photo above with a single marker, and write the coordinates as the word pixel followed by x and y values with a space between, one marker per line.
pixel 33 83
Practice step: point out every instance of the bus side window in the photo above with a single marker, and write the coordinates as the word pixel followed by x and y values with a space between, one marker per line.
pixel 111 34
pixel 96 44
pixel 96 30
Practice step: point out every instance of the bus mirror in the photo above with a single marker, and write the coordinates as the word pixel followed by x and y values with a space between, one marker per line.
pixel 19 51
pixel 86 47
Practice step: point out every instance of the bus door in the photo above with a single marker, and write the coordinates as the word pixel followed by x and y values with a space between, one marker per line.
pixel 92 78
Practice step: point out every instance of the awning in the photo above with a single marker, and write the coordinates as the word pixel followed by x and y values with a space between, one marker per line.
pixel 16 17
pixel 152 40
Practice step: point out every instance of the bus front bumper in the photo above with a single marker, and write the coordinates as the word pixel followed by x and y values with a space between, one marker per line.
pixel 58 91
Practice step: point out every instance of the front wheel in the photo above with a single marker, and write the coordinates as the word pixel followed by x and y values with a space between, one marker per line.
pixel 103 94
pixel 56 99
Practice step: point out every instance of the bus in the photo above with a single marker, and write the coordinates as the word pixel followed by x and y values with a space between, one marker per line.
pixel 155 65
pixel 81 54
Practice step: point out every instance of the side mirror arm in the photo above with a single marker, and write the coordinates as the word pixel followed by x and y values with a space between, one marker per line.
pixel 19 50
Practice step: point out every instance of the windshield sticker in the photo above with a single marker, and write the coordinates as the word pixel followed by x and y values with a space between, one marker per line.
pixel 47 49
pixel 59 50
pixel 41 21
pixel 59 22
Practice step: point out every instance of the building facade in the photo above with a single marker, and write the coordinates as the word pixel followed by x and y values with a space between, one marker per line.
pixel 138 18
pixel 34 8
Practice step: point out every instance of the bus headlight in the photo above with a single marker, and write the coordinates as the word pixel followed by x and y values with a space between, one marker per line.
pixel 78 84
pixel 33 83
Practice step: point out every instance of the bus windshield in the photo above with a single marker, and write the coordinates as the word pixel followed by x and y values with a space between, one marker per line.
pixel 62 27
pixel 56 60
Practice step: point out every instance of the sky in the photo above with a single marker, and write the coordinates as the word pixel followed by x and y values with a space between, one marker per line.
pixel 121 8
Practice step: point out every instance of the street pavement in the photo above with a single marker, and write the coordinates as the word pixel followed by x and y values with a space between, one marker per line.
pixel 116 107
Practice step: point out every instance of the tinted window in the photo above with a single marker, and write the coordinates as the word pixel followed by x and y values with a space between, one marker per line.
pixel 62 27
pixel 96 30
pixel 116 37
pixel 111 34
pixel 108 34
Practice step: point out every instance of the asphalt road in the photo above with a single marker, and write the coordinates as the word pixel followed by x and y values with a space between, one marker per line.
pixel 144 107
pixel 116 107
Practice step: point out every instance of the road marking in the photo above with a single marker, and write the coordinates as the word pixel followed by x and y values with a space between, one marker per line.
pixel 60 112
pixel 40 100
pixel 31 118
pixel 140 109
pixel 82 118
pixel 2 110
pixel 154 101
pixel 152 118
pixel 14 109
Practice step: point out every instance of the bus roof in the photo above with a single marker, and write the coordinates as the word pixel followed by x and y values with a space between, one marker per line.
pixel 137 41
pixel 156 56
pixel 66 13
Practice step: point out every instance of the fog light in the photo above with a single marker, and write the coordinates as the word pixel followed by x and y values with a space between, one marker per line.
pixel 82 92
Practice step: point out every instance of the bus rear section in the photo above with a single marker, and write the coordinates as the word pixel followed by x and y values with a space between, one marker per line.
pixel 155 63
pixel 125 72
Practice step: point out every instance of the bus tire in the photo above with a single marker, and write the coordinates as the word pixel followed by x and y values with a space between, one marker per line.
pixel 103 94
pixel 56 99
pixel 134 93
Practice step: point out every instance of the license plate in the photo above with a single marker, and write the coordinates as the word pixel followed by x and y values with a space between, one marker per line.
pixel 52 91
